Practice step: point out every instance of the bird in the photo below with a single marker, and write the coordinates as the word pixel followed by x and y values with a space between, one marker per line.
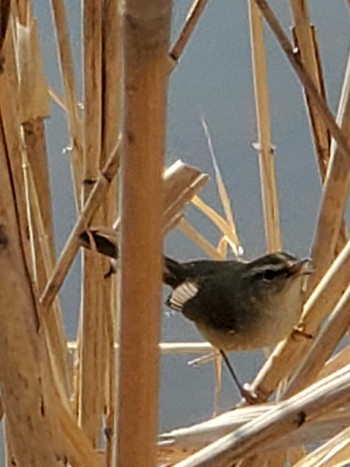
pixel 235 305
pixel 240 306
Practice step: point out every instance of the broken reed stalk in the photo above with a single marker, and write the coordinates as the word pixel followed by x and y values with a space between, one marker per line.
pixel 264 145
pixel 336 184
pixel 146 29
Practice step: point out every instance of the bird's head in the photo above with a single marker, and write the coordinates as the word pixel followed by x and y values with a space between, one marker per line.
pixel 277 276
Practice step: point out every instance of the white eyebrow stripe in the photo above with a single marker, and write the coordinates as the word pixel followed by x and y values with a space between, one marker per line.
pixel 182 294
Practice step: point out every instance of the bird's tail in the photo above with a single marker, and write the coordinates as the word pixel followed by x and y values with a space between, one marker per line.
pixel 173 272
pixel 104 240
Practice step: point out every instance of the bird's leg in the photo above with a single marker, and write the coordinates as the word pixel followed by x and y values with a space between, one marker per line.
pixel 248 394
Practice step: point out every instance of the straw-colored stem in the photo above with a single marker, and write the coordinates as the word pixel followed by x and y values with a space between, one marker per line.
pixel 265 147
pixel 192 19
pixel 324 346
pixel 111 116
pixel 146 28
pixel 305 40
pixel 92 319
pixel 252 437
pixel 70 94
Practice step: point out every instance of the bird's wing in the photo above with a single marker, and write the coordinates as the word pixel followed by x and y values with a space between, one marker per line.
pixel 182 294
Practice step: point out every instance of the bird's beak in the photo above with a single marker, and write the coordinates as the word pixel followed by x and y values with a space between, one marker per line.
pixel 302 267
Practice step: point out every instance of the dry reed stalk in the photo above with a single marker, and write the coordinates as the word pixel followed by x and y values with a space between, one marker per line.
pixel 323 347
pixel 181 183
pixel 219 221
pixel 70 94
pixel 33 91
pixel 334 453
pixel 92 350
pixel 167 348
pixel 71 247
pixel 306 42
pixel 264 145
pixel 336 184
pixel 111 117
pixel 146 29
pixel 308 405
pixel 30 388
pixel 26 396
pixel 53 321
pixel 199 435
pixel 191 21
pixel 335 363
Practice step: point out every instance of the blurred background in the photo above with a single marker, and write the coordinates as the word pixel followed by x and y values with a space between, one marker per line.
pixel 214 79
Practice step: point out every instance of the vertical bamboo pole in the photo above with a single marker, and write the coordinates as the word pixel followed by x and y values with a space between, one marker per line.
pixel 146 28
pixel 265 149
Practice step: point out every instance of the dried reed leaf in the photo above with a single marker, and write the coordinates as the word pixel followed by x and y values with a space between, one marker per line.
pixel 224 198
pixel 221 224
pixel 181 183
pixel 199 240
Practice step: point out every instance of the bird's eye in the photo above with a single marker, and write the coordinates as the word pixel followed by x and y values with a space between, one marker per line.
pixel 270 274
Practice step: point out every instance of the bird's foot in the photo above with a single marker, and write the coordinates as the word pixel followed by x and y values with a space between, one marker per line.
pixel 248 393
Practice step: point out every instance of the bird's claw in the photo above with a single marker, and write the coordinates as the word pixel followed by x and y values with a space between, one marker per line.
pixel 250 395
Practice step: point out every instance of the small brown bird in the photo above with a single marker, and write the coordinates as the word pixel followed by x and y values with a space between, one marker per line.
pixel 240 306
pixel 236 306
